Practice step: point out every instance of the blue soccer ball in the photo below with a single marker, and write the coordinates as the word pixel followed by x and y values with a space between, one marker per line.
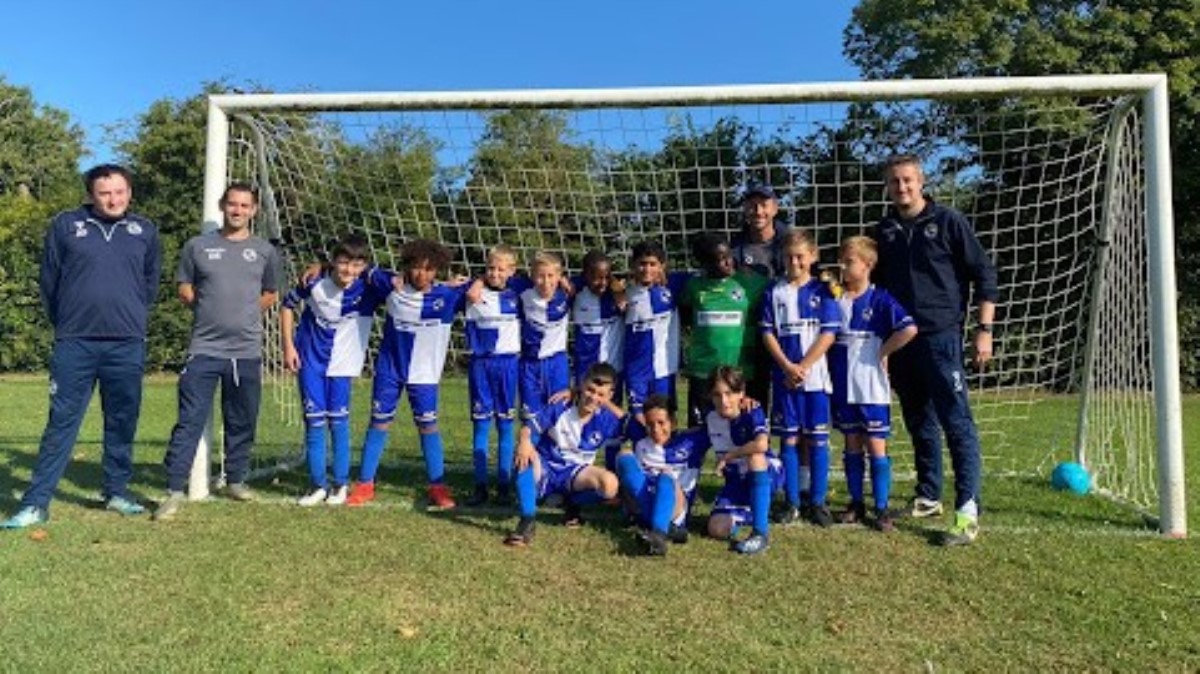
pixel 1070 476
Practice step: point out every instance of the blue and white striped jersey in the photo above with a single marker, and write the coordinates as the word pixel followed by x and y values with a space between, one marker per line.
pixel 335 326
pixel 726 435
pixel 797 316
pixel 566 440
pixel 652 329
pixel 544 323
pixel 493 325
pixel 599 330
pixel 867 322
pixel 417 334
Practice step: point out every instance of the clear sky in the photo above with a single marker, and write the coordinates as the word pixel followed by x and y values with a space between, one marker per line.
pixel 106 62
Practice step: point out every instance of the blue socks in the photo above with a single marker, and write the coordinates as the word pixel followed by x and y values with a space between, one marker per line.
pixel 373 446
pixel 760 501
pixel 339 428
pixel 431 448
pixel 791 472
pixel 506 449
pixel 630 474
pixel 855 465
pixel 315 449
pixel 479 449
pixel 664 503
pixel 818 463
pixel 527 492
pixel 881 480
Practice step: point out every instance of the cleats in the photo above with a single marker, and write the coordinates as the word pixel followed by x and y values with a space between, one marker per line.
pixel 821 517
pixel 361 494
pixel 439 497
pixel 964 531
pixel 677 534
pixel 338 495
pixel 25 517
pixel 240 491
pixel 923 507
pixel 479 496
pixel 789 516
pixel 522 536
pixel 315 497
pixel 124 506
pixel 855 514
pixel 755 544
pixel 170 507
pixel 656 543
pixel 572 516
pixel 883 521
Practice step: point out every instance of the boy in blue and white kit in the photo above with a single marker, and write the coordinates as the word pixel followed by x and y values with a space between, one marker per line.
pixel 545 314
pixel 661 471
pixel 570 434
pixel 327 354
pixel 411 358
pixel 874 326
pixel 651 326
pixel 494 339
pixel 739 439
pixel 800 321
pixel 597 312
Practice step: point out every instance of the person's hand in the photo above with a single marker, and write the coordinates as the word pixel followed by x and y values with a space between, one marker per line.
pixel 883 364
pixel 291 359
pixel 559 396
pixel 524 456
pixel 983 348
pixel 796 373
pixel 311 273
pixel 475 292
pixel 617 285
pixel 748 404
pixel 721 465
pixel 457 280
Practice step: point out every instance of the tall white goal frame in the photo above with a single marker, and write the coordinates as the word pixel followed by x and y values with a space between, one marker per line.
pixel 1152 89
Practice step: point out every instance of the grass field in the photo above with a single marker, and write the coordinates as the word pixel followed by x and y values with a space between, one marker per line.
pixel 1055 582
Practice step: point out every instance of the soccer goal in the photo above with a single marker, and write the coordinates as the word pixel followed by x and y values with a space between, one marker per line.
pixel 1066 179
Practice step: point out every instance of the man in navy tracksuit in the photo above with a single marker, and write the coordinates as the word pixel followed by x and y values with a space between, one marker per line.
pixel 99 278
pixel 929 258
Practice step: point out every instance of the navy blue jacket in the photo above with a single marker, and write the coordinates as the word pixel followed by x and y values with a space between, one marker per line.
pixel 930 263
pixel 99 277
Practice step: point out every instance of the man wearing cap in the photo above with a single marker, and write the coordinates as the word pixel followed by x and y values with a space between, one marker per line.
pixel 756 249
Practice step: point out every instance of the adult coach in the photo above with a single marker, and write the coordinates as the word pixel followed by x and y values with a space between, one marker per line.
pixel 756 249
pixel 99 277
pixel 929 258
pixel 228 278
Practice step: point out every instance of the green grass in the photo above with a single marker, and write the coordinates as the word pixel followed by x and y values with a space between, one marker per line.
pixel 1055 582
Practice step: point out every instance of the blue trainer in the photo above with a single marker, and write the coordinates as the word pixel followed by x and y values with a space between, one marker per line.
pixel 124 506
pixel 25 517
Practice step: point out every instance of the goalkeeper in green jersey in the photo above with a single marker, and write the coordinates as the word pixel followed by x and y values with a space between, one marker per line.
pixel 720 310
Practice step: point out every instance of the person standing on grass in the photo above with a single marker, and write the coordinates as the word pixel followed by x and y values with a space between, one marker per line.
pixel 99 278
pixel 929 258
pixel 228 278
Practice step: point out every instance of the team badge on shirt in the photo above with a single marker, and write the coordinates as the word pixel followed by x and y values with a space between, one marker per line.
pixel 80 229
pixel 249 255
pixel 867 313
pixel 133 228
pixel 931 230
pixel 737 295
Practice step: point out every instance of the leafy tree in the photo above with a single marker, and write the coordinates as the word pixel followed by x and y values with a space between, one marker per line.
pixel 960 38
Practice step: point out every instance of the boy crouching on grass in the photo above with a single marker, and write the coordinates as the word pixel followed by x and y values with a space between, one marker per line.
pixel 570 433
pixel 326 354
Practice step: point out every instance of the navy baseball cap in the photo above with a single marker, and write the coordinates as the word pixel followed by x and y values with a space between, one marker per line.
pixel 759 190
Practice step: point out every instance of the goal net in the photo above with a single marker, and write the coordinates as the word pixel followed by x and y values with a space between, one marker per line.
pixel 1056 182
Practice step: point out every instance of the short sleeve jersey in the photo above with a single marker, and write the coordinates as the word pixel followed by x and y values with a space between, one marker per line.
pixel 652 329
pixel 797 316
pixel 417 333
pixel 493 324
pixel 544 323
pixel 599 329
pixel 726 435
pixel 335 325
pixel 229 278
pixel 719 310
pixel 867 322
pixel 566 440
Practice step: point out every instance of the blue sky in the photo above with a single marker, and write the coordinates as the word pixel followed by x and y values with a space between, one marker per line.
pixel 106 62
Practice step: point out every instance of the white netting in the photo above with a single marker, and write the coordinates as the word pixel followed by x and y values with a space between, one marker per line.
pixel 1030 173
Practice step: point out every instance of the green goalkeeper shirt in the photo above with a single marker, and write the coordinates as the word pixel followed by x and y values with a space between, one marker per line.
pixel 723 316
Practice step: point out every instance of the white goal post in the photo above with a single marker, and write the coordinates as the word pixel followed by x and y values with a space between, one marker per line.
pixel 1065 178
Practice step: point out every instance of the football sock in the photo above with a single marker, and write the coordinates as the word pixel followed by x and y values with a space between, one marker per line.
pixel 431 447
pixel 630 473
pixel 818 462
pixel 855 465
pixel 881 480
pixel 339 428
pixel 760 500
pixel 527 492
pixel 315 450
pixel 664 503
pixel 373 446
pixel 805 484
pixel 479 449
pixel 505 448
pixel 791 473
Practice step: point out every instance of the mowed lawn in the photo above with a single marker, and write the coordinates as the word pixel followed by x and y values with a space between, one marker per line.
pixel 1055 582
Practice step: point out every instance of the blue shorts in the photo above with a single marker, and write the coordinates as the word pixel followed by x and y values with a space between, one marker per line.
pixel 385 396
pixel 557 478
pixel 874 421
pixel 734 497
pixel 323 397
pixel 541 379
pixel 639 390
pixel 492 382
pixel 799 412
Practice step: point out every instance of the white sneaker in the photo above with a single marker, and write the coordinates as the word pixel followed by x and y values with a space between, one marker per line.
pixel 338 496
pixel 923 507
pixel 312 498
